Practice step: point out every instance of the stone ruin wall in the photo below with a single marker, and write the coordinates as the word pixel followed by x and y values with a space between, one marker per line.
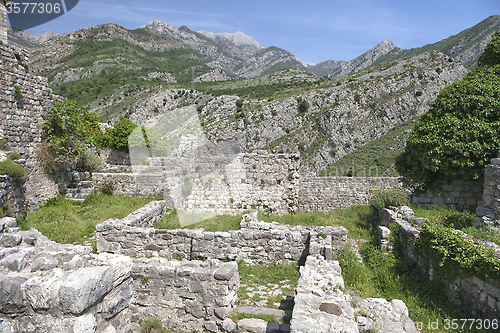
pixel 488 210
pixel 326 194
pixel 189 296
pixel 250 180
pixel 50 287
pixel 254 242
pixel 21 119
pixel 479 297
pixel 460 194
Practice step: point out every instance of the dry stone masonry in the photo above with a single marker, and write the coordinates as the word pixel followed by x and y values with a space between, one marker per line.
pixel 321 305
pixel 49 287
pixel 220 185
pixel 460 194
pixel 479 297
pixel 329 193
pixel 488 210
pixel 255 242
pixel 189 296
pixel 24 100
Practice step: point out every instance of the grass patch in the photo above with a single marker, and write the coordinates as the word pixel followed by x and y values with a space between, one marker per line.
pixel 153 325
pixel 353 219
pixel 217 223
pixel 268 274
pixel 268 318
pixel 65 221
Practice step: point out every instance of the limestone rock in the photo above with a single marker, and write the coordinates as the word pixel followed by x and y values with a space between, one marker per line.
pixel 252 325
pixel 41 291
pixel 83 288
pixel 226 271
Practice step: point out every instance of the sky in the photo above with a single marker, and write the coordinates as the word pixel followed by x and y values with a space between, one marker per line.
pixel 314 31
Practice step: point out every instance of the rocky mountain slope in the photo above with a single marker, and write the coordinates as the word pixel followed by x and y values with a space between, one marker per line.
pixel 464 47
pixel 268 112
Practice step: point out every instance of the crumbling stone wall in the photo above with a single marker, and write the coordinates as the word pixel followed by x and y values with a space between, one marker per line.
pixel 479 297
pixel 188 296
pixel 460 194
pixel 321 305
pixel 21 119
pixel 133 184
pixel 255 242
pixel 329 193
pixel 488 210
pixel 50 287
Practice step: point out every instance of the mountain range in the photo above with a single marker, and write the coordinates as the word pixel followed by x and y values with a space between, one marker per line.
pixel 159 69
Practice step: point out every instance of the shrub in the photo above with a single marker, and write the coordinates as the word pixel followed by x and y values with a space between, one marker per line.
pixel 68 130
pixel 17 92
pixel 458 220
pixel 394 196
pixel 357 98
pixel 13 156
pixel 303 105
pixel 88 162
pixel 11 169
pixel 107 188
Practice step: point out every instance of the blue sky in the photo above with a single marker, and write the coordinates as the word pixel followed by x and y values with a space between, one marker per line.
pixel 314 31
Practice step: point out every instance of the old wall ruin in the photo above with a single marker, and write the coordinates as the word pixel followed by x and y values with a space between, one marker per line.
pixel 460 194
pixel 326 194
pixel 254 242
pixel 480 297
pixel 24 100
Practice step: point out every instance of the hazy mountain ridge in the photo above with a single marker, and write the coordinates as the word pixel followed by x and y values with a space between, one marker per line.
pixel 464 47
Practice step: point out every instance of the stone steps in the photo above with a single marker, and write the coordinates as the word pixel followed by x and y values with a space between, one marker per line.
pixel 82 190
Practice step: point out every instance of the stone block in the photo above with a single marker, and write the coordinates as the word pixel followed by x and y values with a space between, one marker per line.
pixel 226 271
pixel 11 295
pixel 83 288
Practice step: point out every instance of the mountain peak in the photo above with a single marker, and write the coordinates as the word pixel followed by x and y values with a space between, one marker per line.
pixel 238 38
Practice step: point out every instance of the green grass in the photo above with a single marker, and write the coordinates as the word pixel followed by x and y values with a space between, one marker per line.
pixel 350 218
pixel 268 274
pixel 353 219
pixel 65 221
pixel 153 325
pixel 268 318
pixel 217 223
pixel 375 159
pixel 390 276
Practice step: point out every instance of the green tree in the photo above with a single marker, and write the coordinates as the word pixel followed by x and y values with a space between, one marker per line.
pixel 461 132
pixel 491 55
pixel 69 133
pixel 117 137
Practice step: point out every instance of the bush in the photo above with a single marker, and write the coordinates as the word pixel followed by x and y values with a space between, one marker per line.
pixel 88 162
pixel 106 188
pixel 303 105
pixel 68 130
pixel 11 169
pixel 458 220
pixel 13 156
pixel 394 196
pixel 461 132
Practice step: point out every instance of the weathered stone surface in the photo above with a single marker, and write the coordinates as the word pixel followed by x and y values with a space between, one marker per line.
pixel 116 301
pixel 331 308
pixel 228 325
pixel 252 325
pixel 11 240
pixel 11 295
pixel 41 291
pixel 44 264
pixel 226 271
pixel 83 288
